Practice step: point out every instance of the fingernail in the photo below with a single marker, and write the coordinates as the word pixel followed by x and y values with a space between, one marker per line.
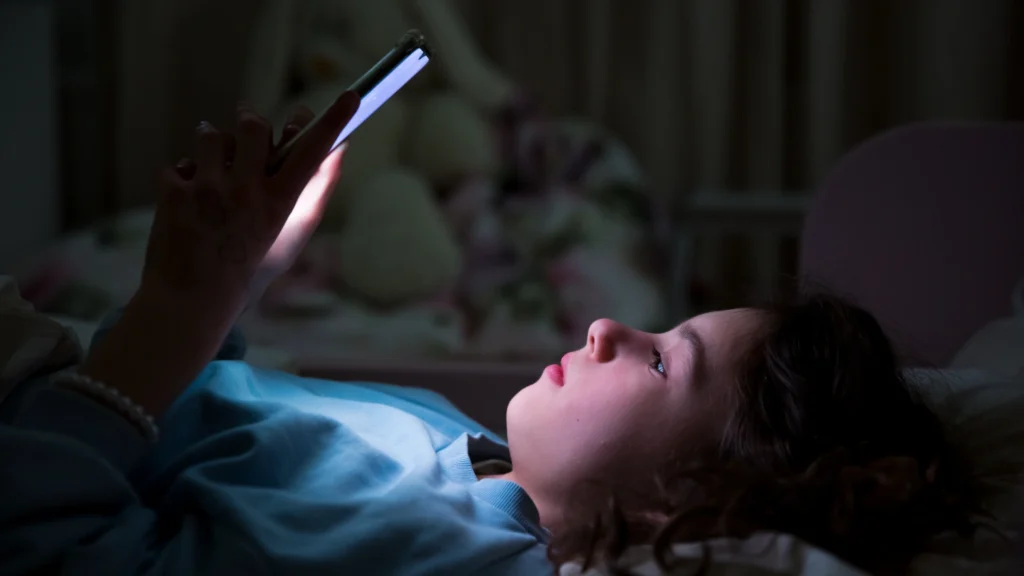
pixel 186 168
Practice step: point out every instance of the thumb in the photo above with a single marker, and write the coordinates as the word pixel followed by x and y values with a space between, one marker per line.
pixel 308 210
pixel 317 193
pixel 309 151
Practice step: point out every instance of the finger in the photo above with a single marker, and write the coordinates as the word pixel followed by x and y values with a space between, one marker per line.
pixel 170 185
pixel 318 191
pixel 297 119
pixel 328 174
pixel 172 177
pixel 288 133
pixel 186 168
pixel 310 205
pixel 243 105
pixel 308 210
pixel 300 116
pixel 210 152
pixel 229 149
pixel 252 144
pixel 309 151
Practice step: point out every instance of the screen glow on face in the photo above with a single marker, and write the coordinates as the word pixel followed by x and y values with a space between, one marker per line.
pixel 383 92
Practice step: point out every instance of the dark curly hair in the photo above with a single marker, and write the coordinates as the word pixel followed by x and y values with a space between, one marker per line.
pixel 827 443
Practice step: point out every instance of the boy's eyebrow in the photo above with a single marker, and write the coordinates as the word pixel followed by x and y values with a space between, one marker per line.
pixel 693 338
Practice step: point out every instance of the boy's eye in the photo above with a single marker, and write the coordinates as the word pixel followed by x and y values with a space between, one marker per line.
pixel 656 364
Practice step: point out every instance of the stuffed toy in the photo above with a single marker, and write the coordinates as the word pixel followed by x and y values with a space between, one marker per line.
pixel 565 238
pixel 433 134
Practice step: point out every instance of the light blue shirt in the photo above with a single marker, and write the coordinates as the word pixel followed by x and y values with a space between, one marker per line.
pixel 258 472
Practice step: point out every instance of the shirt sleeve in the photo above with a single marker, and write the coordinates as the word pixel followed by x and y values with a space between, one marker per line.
pixel 76 513
pixel 76 468
pixel 36 404
pixel 69 461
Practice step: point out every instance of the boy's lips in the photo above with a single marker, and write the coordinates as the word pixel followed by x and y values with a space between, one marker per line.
pixel 556 372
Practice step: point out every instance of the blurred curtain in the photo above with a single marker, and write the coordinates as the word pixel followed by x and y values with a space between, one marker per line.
pixel 181 61
pixel 739 95
pixel 723 94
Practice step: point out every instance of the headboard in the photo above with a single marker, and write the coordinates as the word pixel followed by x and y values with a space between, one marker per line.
pixel 924 227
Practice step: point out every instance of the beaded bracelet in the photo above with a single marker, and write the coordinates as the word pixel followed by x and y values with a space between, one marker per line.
pixel 111 398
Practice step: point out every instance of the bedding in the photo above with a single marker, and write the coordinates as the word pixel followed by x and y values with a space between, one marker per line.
pixel 999 346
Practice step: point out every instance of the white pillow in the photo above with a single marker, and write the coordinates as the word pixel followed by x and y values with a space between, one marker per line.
pixel 999 346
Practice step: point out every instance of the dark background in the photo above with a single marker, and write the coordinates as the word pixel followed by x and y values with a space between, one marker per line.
pixel 718 102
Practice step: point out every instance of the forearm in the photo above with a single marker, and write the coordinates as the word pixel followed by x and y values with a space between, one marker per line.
pixel 156 348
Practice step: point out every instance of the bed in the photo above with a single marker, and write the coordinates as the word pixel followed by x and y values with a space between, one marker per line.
pixel 922 227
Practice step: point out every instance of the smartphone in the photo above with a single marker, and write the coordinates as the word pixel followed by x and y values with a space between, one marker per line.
pixel 410 55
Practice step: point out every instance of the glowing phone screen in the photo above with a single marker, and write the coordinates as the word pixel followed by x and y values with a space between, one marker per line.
pixel 383 92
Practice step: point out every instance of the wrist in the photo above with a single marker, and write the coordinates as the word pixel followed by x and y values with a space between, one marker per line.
pixel 160 343
pixel 171 320
pixel 185 309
